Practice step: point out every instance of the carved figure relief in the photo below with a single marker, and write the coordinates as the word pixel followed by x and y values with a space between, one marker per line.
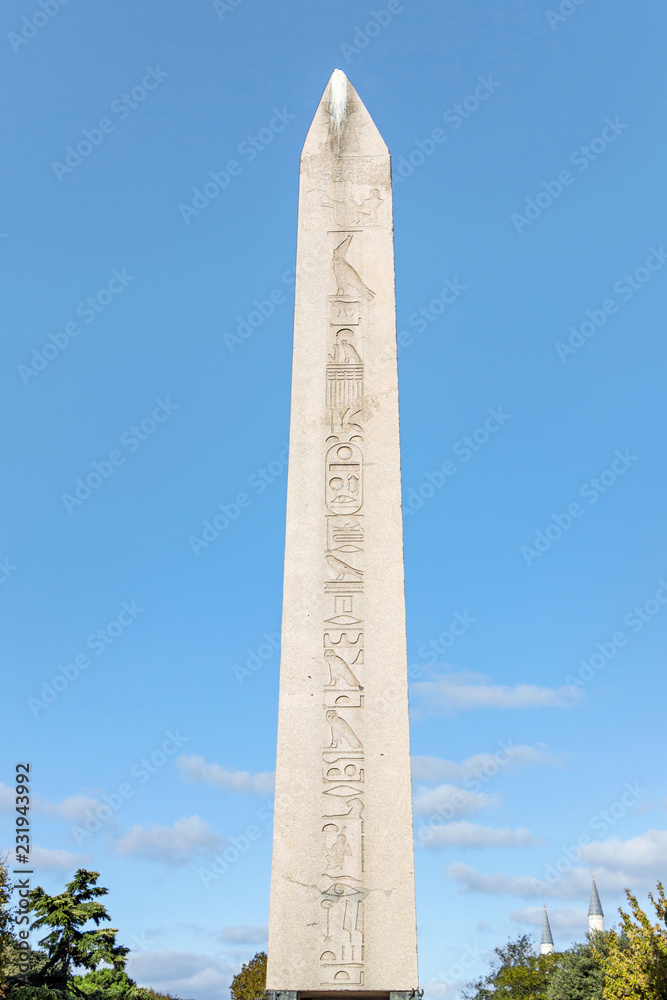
pixel 343 841
pixel 343 569
pixel 370 208
pixel 340 674
pixel 343 689
pixel 336 848
pixel 342 733
pixel 348 281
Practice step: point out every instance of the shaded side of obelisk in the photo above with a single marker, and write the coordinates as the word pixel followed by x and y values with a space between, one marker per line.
pixel 342 917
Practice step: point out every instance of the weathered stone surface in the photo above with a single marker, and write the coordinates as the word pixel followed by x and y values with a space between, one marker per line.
pixel 342 893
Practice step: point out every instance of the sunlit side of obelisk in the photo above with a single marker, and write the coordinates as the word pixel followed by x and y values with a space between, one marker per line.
pixel 342 914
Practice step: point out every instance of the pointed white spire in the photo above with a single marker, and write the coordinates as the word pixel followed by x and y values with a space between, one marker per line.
pixel 595 912
pixel 547 942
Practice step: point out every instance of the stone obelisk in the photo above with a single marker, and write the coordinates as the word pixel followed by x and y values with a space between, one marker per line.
pixel 342 917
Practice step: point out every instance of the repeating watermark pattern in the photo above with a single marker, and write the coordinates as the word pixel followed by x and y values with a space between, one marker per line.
pixel 454 117
pixel 31 26
pixel 421 318
pixel 377 22
pixel 140 773
pixel 98 642
pixel 237 847
pixel 565 11
pixel 122 107
pixel 258 482
pixel 626 287
pixel 601 823
pixel 457 971
pixel 581 158
pixel 591 491
pixel 88 310
pixel 434 648
pixel 223 7
pixel 606 650
pixel 222 861
pixel 7 569
pixel 249 149
pixel 459 799
pixel 464 449
pixel 131 439
pixel 262 309
pixel 256 658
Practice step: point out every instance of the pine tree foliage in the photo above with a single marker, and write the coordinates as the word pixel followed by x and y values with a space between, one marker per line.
pixel 68 945
pixel 250 982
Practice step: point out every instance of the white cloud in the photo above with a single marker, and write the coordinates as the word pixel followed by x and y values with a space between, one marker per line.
pixel 465 834
pixel 636 864
pixel 7 797
pixel 173 845
pixel 45 858
pixel 483 765
pixel 243 934
pixel 639 857
pixel 448 800
pixel 456 690
pixel 470 880
pixel 75 808
pixel 568 918
pixel 182 973
pixel 226 778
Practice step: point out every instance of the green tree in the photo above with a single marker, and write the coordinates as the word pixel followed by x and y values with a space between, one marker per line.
pixel 518 973
pixel 578 972
pixel 250 982
pixel 23 964
pixel 68 945
pixel 635 967
pixel 105 984
pixel 113 984
pixel 29 992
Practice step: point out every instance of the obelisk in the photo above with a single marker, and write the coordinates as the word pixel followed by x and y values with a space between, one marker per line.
pixel 342 917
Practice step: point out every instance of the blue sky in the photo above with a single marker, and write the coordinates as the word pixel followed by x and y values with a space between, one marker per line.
pixel 531 272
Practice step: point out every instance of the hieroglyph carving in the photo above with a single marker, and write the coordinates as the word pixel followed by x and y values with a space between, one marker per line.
pixel 343 771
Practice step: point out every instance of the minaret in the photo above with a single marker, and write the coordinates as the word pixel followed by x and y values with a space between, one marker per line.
pixel 595 914
pixel 547 942
pixel 342 916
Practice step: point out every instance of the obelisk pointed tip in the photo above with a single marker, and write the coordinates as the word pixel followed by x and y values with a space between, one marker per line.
pixel 342 124
pixel 338 84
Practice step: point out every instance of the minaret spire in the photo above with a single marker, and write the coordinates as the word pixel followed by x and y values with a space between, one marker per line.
pixel 595 912
pixel 547 942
